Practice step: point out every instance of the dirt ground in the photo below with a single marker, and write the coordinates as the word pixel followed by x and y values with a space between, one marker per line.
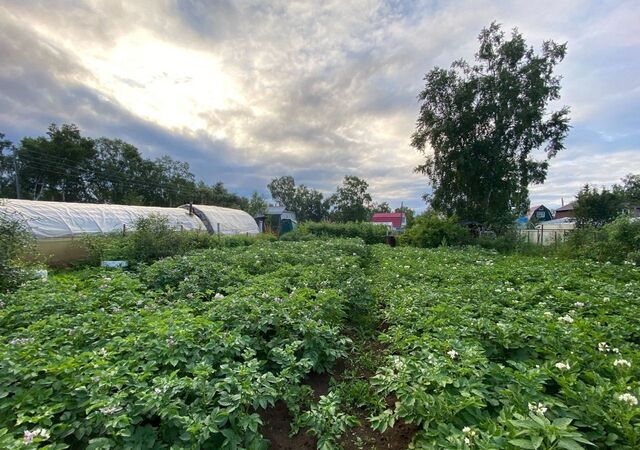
pixel 277 421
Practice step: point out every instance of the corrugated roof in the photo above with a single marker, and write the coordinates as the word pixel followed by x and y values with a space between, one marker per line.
pixel 388 215
pixel 568 207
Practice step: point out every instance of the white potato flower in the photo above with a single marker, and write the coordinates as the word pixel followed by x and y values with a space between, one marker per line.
pixel 628 398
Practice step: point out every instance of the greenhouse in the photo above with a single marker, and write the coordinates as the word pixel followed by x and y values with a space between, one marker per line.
pixel 55 220
pixel 221 220
pixel 58 226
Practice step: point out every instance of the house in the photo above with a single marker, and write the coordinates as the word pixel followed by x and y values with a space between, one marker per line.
pixel 567 210
pixel 396 221
pixel 539 213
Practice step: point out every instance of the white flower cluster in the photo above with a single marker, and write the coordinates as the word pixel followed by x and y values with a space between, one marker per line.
pixel 628 398
pixel 622 363
pixel 452 354
pixel 548 315
pixel 110 409
pixel 218 296
pixel 566 318
pixel 603 347
pixel 563 366
pixel 578 305
pixel 20 341
pixel 538 409
pixel 171 341
pixel 190 295
pixel 470 434
pixel 29 436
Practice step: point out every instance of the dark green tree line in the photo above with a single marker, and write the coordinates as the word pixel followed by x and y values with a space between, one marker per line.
pixel 63 165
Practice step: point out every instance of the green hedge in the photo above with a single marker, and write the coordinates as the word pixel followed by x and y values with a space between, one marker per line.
pixel 370 233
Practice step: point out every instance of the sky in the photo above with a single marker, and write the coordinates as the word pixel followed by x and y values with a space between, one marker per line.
pixel 246 91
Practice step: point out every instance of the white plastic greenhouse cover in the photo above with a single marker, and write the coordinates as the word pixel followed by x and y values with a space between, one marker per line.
pixel 59 219
pixel 231 221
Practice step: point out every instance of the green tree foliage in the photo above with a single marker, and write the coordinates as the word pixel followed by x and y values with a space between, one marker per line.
pixel 382 208
pixel 596 207
pixel 283 191
pixel 6 165
pixel 16 243
pixel 352 201
pixel 429 230
pixel 483 121
pixel 630 189
pixel 307 203
pixel 57 166
pixel 65 166
pixel 408 213
pixel 257 204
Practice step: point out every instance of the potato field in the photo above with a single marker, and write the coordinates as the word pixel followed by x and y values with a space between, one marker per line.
pixel 344 344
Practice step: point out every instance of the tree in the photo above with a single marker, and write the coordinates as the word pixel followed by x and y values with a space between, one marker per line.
pixel 6 167
pixel 483 122
pixel 630 189
pixel 283 191
pixel 257 204
pixel 597 208
pixel 118 173
pixel 408 213
pixel 56 166
pixel 308 204
pixel 351 202
pixel 382 208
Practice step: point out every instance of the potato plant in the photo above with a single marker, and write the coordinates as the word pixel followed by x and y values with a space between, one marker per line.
pixel 488 351
pixel 477 350
pixel 182 355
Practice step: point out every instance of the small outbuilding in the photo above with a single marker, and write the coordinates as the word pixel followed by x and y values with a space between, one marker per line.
pixel 565 211
pixel 280 220
pixel 539 213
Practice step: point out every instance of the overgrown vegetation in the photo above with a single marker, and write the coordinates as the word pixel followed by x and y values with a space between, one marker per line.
pixel 429 231
pixel 153 238
pixel 472 348
pixel 184 356
pixel 370 233
pixel 16 244
pixel 616 242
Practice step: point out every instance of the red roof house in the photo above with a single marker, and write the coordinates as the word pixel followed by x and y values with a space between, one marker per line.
pixel 394 220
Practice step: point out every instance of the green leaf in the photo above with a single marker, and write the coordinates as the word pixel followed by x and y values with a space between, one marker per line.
pixel 562 422
pixel 523 443
pixel 569 444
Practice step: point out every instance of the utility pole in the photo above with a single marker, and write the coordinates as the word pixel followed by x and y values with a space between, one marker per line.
pixel 17 178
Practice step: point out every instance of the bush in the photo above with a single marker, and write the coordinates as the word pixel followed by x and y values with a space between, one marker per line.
pixel 512 242
pixel 616 242
pixel 16 243
pixel 153 238
pixel 429 230
pixel 370 233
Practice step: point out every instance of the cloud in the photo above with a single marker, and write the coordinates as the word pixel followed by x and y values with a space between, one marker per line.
pixel 246 91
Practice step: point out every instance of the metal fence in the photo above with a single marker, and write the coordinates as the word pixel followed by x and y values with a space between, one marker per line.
pixel 544 237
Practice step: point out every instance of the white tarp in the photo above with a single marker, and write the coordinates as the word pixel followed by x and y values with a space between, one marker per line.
pixel 59 219
pixel 230 221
